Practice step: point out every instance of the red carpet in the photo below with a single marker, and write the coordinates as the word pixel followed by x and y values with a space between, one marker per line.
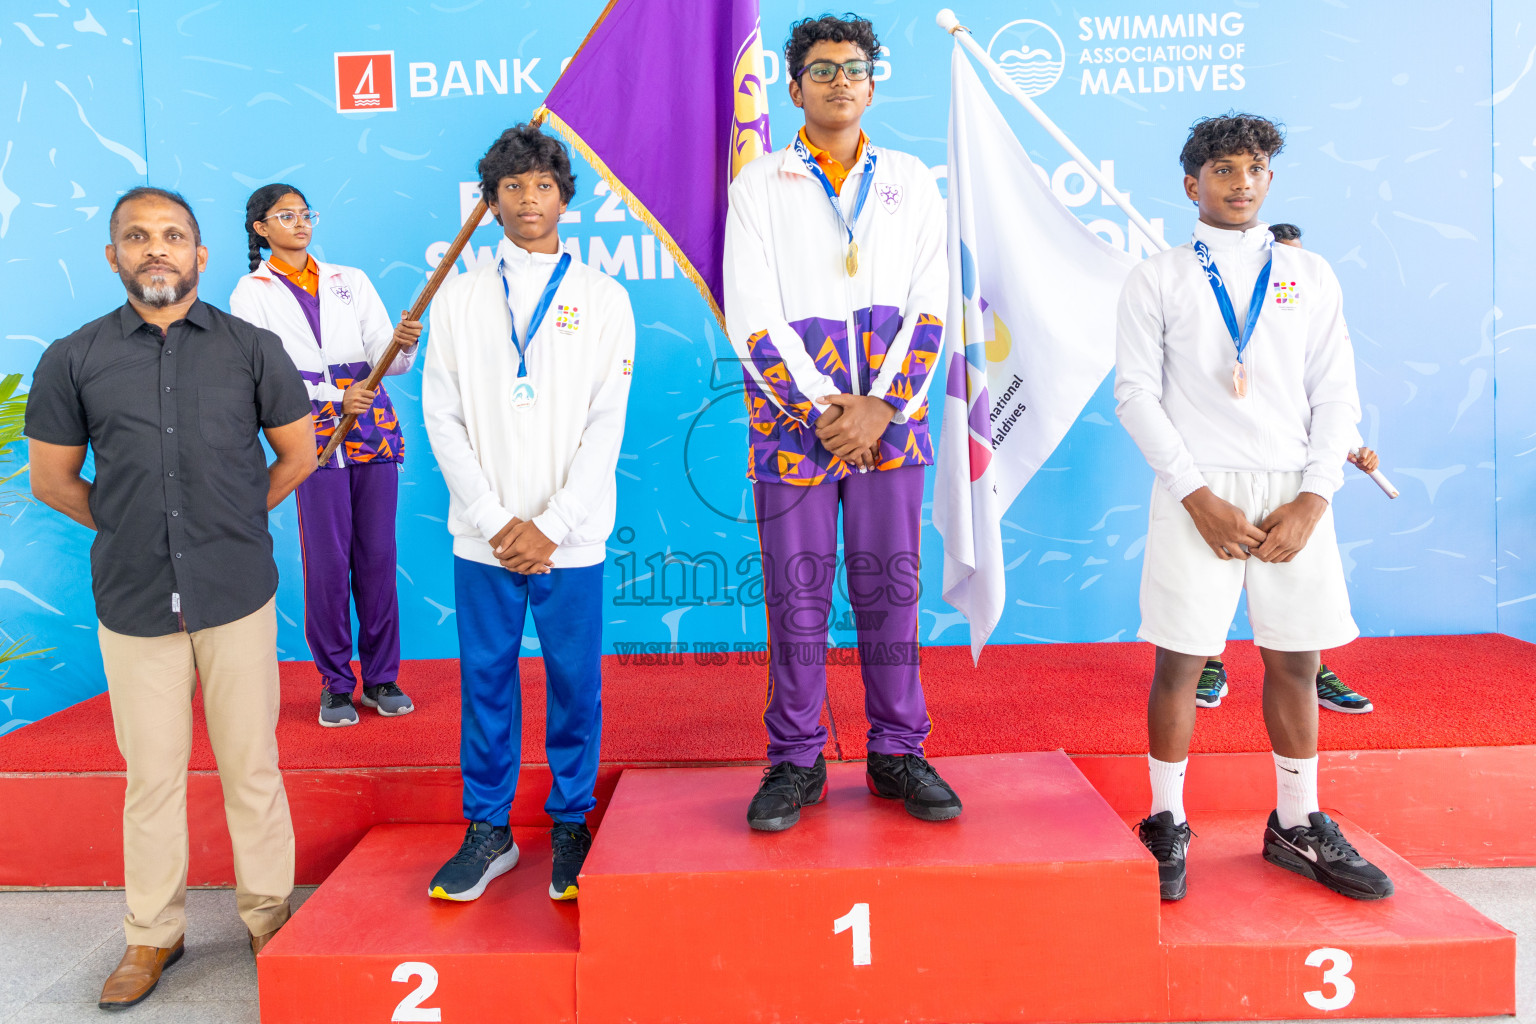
pixel 1443 691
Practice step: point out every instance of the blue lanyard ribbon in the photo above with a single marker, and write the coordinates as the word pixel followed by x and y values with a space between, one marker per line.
pixel 545 299
pixel 1255 304
pixel 826 183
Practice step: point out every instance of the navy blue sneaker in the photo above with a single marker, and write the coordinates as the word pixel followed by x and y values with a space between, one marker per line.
pixel 487 852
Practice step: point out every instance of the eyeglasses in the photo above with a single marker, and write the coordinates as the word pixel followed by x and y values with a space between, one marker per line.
pixel 824 71
pixel 288 218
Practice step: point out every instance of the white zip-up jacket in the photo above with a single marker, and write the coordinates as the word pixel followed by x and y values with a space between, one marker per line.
pixel 554 461
pixel 1174 358
pixel 791 309
pixel 355 329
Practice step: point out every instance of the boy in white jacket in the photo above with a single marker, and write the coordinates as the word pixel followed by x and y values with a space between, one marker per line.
pixel 1235 377
pixel 835 279
pixel 525 389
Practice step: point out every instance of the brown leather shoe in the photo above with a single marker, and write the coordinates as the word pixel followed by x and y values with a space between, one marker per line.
pixel 258 942
pixel 137 974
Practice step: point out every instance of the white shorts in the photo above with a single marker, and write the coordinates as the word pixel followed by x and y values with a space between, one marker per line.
pixel 1189 596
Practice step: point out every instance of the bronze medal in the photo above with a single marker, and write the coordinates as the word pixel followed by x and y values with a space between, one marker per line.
pixel 1240 379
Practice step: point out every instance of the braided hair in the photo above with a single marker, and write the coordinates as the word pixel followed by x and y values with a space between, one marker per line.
pixel 256 208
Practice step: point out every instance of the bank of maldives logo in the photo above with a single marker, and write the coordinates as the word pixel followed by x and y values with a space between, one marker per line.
pixel 1030 54
pixel 365 81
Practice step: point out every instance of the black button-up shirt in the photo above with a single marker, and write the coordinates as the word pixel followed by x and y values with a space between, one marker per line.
pixel 180 495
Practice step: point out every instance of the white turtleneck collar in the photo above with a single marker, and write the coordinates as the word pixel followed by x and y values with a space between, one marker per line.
pixel 1254 239
pixel 515 256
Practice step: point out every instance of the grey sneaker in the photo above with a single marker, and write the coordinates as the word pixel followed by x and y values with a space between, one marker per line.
pixel 336 709
pixel 388 699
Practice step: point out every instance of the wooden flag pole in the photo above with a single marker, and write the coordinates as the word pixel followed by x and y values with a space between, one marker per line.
pixel 417 309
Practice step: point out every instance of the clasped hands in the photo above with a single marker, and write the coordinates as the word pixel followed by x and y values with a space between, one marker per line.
pixel 358 398
pixel 850 427
pixel 522 547
pixel 1279 538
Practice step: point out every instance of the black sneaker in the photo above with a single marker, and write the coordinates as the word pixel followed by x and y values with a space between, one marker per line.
pixel 784 790
pixel 1320 852
pixel 1213 685
pixel 570 843
pixel 1334 695
pixel 487 853
pixel 1169 843
pixel 910 778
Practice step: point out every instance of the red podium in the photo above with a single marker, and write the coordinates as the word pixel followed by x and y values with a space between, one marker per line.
pixel 861 912
pixel 1036 904
pixel 370 945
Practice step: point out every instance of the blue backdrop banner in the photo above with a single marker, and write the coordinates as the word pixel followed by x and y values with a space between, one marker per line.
pixel 379 112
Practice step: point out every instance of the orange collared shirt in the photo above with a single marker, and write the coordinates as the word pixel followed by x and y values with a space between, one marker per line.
pixel 308 278
pixel 836 173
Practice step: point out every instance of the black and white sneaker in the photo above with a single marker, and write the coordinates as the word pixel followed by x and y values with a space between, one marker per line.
pixel 784 790
pixel 1169 843
pixel 569 842
pixel 388 699
pixel 1319 851
pixel 336 709
pixel 911 779
pixel 487 852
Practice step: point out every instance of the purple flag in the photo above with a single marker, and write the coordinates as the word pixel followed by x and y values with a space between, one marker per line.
pixel 665 99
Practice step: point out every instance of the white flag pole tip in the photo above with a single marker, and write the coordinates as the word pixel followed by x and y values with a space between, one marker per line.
pixel 1090 169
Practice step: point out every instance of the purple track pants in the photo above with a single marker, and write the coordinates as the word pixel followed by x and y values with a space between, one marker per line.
pixel 347 535
pixel 797 528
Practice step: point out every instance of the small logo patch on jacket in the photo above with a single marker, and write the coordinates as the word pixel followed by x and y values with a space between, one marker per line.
pixel 890 196
pixel 567 319
pixel 342 292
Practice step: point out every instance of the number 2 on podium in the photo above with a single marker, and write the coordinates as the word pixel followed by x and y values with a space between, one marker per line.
pixel 410 1008
pixel 857 921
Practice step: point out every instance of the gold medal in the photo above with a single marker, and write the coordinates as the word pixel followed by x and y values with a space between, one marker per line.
pixel 852 262
pixel 1240 379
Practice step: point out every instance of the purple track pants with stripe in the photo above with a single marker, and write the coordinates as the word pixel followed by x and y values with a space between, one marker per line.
pixel 882 525
pixel 347 533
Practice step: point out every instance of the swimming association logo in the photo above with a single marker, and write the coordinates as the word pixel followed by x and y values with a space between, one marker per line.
pixel 1030 53
pixel 365 81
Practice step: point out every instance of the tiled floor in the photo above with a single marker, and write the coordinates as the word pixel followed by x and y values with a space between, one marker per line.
pixel 56 948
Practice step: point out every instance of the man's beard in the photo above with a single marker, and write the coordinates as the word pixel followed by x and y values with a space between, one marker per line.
pixel 160 292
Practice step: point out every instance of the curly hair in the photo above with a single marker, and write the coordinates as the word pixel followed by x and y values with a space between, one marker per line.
pixel 1285 232
pixel 1211 138
pixel 828 28
pixel 520 149
pixel 256 208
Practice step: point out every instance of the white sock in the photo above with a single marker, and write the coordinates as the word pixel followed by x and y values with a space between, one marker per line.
pixel 1168 787
pixel 1295 790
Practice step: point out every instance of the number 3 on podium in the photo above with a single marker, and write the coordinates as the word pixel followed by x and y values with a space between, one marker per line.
pixel 1336 974
pixel 856 920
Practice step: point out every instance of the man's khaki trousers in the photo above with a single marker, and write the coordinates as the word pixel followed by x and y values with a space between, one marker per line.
pixel 150 681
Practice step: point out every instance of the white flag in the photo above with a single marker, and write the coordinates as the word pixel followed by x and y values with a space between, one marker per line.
pixel 1031 323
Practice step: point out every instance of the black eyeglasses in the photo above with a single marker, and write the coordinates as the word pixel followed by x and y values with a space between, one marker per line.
pixel 824 71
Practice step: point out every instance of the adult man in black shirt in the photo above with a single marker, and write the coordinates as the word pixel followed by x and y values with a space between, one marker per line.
pixel 171 394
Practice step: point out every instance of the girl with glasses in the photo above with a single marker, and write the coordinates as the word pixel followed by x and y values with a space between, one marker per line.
pixel 335 329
